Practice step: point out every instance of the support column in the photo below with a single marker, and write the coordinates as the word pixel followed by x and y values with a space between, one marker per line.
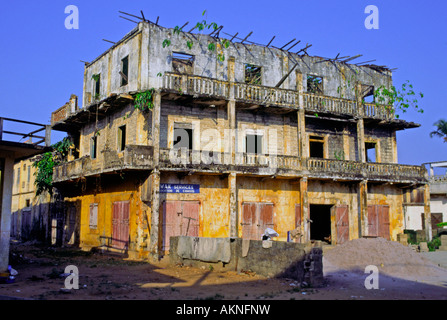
pixel 155 235
pixel 231 113
pixel 303 142
pixel 363 208
pixel 361 140
pixel 6 182
pixel 234 230
pixel 360 124
pixel 303 148
pixel 427 213
pixel 305 209
pixel 156 118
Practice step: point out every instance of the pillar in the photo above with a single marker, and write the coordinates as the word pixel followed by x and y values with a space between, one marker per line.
pixel 234 231
pixel 427 213
pixel 6 182
pixel 155 215
pixel 363 208
pixel 305 209
pixel 155 179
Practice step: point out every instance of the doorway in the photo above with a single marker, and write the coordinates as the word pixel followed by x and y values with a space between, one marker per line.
pixel 256 218
pixel 180 218
pixel 320 227
pixel 120 225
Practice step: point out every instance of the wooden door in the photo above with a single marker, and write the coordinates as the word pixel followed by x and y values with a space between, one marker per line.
pixel 379 221
pixel 120 225
pixel 256 217
pixel 384 222
pixel 249 221
pixel 342 223
pixel 180 218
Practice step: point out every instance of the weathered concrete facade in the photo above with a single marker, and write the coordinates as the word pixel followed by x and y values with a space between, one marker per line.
pixel 311 165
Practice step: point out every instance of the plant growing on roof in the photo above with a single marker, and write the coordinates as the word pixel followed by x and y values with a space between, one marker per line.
pixel 202 25
pixel 144 100
pixel 398 99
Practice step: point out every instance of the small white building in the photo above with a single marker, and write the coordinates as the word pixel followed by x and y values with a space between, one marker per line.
pixel 414 206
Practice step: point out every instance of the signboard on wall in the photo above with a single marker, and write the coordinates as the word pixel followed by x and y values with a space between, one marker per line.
pixel 179 188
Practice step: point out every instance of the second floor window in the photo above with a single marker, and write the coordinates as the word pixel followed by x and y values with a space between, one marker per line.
pixel 253 74
pixel 183 136
pixel 253 143
pixel 93 147
pixel 316 147
pixel 182 63
pixel 121 138
pixel 314 84
pixel 370 149
pixel 97 85
pixel 124 71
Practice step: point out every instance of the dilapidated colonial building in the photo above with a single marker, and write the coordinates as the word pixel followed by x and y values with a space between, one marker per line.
pixel 239 137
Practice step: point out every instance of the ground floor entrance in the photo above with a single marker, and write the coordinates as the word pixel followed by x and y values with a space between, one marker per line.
pixel 180 218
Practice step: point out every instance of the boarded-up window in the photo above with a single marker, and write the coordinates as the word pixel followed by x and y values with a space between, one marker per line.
pixel 93 222
pixel 256 217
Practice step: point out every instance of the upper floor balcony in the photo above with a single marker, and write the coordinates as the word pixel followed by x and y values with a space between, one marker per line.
pixel 196 161
pixel 198 86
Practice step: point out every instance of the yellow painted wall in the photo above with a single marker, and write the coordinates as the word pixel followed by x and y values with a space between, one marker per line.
pixel 284 194
pixel 214 200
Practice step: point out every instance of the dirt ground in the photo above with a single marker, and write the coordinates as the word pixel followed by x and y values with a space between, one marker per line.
pixel 107 277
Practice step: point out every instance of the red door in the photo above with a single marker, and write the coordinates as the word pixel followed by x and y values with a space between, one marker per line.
pixel 180 218
pixel 120 225
pixel 384 222
pixel 379 221
pixel 256 217
pixel 342 223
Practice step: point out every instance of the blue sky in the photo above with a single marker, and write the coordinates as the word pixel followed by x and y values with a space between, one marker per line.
pixel 40 58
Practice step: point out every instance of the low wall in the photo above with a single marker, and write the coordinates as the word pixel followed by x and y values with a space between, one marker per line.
pixel 301 262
